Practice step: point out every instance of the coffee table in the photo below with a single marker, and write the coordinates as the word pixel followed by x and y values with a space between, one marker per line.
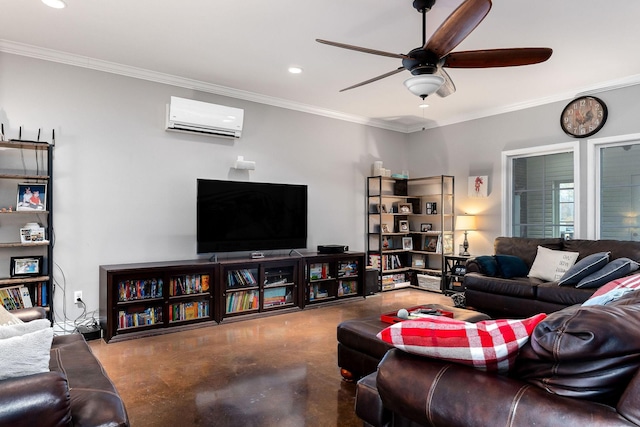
pixel 360 350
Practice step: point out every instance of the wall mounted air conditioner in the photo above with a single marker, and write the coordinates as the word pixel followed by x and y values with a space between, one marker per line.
pixel 187 115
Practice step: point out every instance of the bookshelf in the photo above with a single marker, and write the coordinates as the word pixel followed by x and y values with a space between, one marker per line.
pixel 332 277
pixel 259 286
pixel 145 299
pixel 26 254
pixel 409 228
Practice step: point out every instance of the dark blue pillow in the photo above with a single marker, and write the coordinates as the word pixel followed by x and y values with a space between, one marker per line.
pixel 488 265
pixel 616 269
pixel 586 266
pixel 511 266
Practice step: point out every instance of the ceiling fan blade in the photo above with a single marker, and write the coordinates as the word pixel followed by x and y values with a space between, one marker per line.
pixel 363 49
pixel 390 73
pixel 457 26
pixel 497 57
pixel 447 87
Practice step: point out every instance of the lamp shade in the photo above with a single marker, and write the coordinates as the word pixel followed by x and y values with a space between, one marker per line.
pixel 465 222
pixel 424 85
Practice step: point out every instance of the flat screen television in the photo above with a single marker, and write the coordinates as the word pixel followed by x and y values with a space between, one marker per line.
pixel 235 216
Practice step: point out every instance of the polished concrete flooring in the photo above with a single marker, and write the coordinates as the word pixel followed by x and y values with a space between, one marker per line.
pixel 278 370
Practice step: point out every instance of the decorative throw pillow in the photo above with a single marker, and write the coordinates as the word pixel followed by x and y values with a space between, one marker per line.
pixel 488 265
pixel 586 266
pixel 616 269
pixel 614 290
pixel 7 318
pixel 25 348
pixel 511 266
pixel 489 345
pixel 551 265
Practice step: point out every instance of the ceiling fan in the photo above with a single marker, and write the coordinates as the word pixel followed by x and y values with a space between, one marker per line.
pixel 427 63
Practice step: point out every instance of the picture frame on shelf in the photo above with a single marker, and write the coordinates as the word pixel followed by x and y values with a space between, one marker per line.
pixel 403 226
pixel 417 261
pixel 26 266
pixel 405 208
pixel 31 235
pixel 383 208
pixel 385 228
pixel 387 243
pixel 31 197
pixel 407 243
pixel 431 244
pixel 426 226
pixel 447 244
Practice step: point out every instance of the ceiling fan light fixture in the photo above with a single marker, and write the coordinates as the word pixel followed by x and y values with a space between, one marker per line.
pixel 424 85
pixel 56 4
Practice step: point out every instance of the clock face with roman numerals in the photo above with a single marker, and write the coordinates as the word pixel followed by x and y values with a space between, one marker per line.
pixel 583 117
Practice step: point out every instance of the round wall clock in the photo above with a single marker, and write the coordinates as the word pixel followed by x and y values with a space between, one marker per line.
pixel 583 117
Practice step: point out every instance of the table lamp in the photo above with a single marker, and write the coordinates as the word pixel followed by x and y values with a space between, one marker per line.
pixel 465 223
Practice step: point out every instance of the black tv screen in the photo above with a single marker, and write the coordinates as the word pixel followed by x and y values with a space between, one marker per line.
pixel 237 216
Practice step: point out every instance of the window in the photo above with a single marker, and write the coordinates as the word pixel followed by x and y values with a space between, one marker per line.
pixel 540 196
pixel 614 188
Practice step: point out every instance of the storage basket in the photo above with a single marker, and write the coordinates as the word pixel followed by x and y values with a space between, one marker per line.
pixel 429 282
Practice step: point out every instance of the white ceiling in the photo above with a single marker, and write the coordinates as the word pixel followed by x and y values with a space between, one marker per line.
pixel 243 48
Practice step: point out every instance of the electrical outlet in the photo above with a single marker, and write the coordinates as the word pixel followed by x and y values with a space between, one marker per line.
pixel 77 295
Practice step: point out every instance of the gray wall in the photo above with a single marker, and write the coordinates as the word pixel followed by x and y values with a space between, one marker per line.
pixel 475 147
pixel 124 188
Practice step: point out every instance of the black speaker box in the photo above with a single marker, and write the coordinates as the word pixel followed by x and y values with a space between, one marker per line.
pixel 332 249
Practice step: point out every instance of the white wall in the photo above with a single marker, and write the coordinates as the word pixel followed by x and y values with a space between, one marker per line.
pixel 475 147
pixel 124 188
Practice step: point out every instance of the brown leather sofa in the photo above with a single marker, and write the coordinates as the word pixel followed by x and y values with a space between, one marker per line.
pixel 76 392
pixel 524 296
pixel 580 368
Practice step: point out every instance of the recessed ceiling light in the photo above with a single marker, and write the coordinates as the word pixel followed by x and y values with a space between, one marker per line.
pixel 295 70
pixel 56 4
pixel 423 106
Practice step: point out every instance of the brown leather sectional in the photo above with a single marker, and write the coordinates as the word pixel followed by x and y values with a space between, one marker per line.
pixel 580 367
pixel 77 391
pixel 524 296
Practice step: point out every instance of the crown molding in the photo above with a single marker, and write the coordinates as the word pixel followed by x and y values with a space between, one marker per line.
pixel 37 52
pixel 45 54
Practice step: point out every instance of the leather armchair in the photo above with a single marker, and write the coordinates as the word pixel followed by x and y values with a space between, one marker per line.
pixel 47 399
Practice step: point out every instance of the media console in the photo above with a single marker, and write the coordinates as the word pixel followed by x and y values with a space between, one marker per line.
pixel 152 298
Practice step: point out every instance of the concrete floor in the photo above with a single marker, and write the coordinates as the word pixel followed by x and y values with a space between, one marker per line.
pixel 272 371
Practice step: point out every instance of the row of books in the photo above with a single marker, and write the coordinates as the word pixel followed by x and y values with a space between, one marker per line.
pixel 149 316
pixel 129 290
pixel 319 271
pixel 347 287
pixel 317 292
pixel 15 297
pixel 239 278
pixel 386 262
pixel 277 296
pixel 189 284
pixel 188 310
pixel 348 269
pixel 241 301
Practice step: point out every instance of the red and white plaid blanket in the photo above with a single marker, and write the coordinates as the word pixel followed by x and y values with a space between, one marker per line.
pixel 489 345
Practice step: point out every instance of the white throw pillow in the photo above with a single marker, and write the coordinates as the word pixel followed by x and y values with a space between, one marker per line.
pixel 7 318
pixel 551 265
pixel 25 348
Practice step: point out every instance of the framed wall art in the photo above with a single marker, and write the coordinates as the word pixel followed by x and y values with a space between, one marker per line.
pixel 478 185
